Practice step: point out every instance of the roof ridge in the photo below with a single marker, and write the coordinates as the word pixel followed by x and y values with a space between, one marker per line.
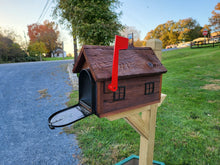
pixel 112 47
pixel 137 61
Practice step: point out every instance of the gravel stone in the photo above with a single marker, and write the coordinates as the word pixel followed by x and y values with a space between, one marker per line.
pixel 25 137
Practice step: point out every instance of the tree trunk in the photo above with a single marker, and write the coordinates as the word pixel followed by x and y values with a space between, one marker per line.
pixel 75 48
pixel 74 44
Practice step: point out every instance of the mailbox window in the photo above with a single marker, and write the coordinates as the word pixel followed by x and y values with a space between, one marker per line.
pixel 149 88
pixel 119 94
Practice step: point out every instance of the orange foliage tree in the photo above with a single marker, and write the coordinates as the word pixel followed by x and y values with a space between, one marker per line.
pixel 47 33
pixel 174 32
pixel 139 43
pixel 215 19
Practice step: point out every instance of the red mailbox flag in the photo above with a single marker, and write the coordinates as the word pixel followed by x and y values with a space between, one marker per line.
pixel 120 43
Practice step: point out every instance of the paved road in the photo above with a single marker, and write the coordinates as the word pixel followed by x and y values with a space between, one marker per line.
pixel 164 50
pixel 25 138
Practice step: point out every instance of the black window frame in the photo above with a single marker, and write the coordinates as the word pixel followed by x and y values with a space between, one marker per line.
pixel 119 94
pixel 149 88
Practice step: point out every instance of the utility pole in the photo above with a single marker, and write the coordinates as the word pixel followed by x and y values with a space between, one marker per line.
pixel 40 57
pixel 26 44
pixel 25 41
pixel 63 50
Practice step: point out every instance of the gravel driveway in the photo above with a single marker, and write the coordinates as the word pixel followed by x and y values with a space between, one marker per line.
pixel 29 94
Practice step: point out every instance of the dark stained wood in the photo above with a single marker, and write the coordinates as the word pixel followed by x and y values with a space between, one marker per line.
pixel 161 77
pixel 79 62
pixel 134 95
pixel 137 66
pixel 132 62
pixel 125 109
pixel 99 101
pixel 85 65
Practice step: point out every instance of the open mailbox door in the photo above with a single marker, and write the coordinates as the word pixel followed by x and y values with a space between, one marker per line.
pixel 68 116
pixel 85 107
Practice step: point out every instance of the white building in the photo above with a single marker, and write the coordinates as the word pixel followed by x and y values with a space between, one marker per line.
pixel 58 53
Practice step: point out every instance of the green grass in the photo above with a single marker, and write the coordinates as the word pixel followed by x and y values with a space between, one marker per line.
pixel 188 125
pixel 56 58
pixel 73 98
pixel 217 44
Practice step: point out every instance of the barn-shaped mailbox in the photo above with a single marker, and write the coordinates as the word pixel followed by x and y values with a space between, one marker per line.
pixel 139 81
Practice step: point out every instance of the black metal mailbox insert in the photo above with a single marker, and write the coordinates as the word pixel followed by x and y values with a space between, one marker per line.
pixel 85 107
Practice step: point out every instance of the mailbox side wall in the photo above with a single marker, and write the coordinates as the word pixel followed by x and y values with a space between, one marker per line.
pixel 134 95
pixel 99 98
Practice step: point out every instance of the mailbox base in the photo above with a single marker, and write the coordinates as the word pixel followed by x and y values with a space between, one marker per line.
pixel 134 160
pixel 145 126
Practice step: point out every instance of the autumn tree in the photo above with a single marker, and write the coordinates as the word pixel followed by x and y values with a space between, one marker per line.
pixel 93 22
pixel 173 32
pixel 162 32
pixel 46 33
pixel 189 29
pixel 215 19
pixel 139 43
pixel 149 35
pixel 37 49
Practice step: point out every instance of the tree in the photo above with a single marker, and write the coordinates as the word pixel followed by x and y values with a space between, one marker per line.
pixel 10 51
pixel 37 49
pixel 47 33
pixel 139 43
pixel 149 35
pixel 173 32
pixel 215 19
pixel 93 22
pixel 4 42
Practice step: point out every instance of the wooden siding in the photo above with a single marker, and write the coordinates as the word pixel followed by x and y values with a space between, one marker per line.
pixel 99 97
pixel 134 94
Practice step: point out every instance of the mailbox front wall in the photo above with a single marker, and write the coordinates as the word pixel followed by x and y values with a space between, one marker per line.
pixel 135 95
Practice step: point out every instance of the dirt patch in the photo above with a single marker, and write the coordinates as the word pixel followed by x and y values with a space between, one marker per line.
pixel 211 87
pixel 215 81
pixel 211 149
pixel 43 94
pixel 212 101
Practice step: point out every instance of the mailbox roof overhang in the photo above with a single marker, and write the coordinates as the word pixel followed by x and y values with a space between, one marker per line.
pixel 133 62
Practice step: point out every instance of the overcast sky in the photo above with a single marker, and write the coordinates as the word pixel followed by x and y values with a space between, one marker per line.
pixel 145 15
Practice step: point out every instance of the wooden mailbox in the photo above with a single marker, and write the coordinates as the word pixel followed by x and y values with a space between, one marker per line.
pixel 137 89
pixel 139 78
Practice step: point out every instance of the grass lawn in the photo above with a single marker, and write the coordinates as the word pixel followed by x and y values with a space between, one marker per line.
pixel 217 44
pixel 56 58
pixel 188 122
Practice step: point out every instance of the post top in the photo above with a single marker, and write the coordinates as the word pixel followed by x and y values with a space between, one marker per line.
pixel 155 44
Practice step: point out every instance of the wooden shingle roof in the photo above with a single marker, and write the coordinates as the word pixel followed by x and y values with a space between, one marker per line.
pixel 132 62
